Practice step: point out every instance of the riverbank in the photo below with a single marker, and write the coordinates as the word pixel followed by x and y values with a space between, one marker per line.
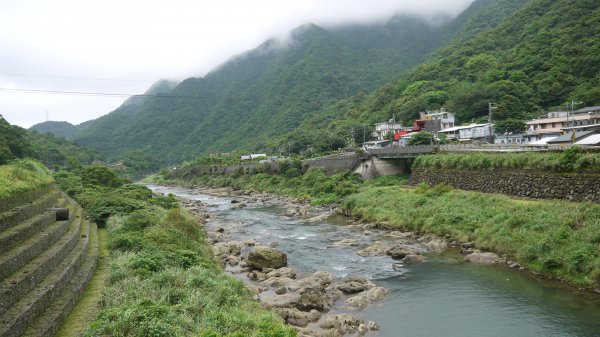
pixel 316 303
pixel 553 239
pixel 162 277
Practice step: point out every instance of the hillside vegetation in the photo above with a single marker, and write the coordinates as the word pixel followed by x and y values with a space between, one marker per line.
pixel 538 58
pixel 163 279
pixel 16 142
pixel 263 94
pixel 22 176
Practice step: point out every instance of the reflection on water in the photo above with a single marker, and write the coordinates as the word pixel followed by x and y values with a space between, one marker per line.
pixel 441 297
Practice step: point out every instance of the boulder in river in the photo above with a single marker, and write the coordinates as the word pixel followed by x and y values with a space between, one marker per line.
pixel 266 257
pixel 342 323
pixel 399 252
pixel 482 258
pixel 297 317
pixel 314 298
pixel 378 248
pixel 353 285
pixel 412 259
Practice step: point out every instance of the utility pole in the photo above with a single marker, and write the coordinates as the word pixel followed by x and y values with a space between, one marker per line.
pixel 364 135
pixel 573 103
pixel 352 135
pixel 491 108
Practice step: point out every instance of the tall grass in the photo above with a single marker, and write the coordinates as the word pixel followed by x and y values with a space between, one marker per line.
pixel 21 176
pixel 570 160
pixel 163 281
pixel 558 238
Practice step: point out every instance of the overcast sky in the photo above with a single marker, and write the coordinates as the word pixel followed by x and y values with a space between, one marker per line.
pixel 123 46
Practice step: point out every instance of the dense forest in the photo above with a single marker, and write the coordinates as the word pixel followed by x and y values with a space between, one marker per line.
pixel 539 58
pixel 255 98
pixel 16 142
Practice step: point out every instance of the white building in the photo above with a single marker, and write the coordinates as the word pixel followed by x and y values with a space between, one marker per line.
pixel 445 118
pixel 382 130
pixel 552 123
pixel 475 132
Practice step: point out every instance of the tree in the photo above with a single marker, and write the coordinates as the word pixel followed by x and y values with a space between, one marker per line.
pixel 100 176
pixel 421 138
pixel 510 126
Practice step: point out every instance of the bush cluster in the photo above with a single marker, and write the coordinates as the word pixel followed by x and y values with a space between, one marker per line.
pixel 163 279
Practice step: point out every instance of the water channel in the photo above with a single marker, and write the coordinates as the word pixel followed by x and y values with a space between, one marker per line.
pixel 443 296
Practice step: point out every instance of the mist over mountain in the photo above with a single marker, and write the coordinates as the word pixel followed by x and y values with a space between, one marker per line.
pixel 320 85
pixel 540 56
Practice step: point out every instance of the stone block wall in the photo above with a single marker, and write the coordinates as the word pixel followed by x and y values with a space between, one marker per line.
pixel 532 184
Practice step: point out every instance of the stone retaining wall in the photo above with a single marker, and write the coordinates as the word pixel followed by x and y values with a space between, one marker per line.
pixel 533 184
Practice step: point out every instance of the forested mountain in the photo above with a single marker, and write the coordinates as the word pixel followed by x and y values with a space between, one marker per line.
pixel 60 129
pixel 540 57
pixel 325 84
pixel 255 98
pixel 16 142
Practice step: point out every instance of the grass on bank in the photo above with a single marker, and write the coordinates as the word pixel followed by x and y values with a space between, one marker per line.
pixel 23 175
pixel 554 237
pixel 570 160
pixel 162 278
pixel 313 185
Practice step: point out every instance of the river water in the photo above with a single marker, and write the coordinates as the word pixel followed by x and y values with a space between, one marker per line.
pixel 443 296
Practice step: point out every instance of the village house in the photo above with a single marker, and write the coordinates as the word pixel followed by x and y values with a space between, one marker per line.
pixel 553 123
pixel 444 119
pixel 382 130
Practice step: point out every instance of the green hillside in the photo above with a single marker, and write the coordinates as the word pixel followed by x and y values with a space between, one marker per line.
pixel 541 57
pixel 267 92
pixel 16 142
pixel 60 129
pixel 416 90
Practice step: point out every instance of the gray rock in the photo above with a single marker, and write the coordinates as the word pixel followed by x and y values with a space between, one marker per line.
pixel 399 252
pixel 266 257
pixel 412 259
pixel 297 317
pixel 378 248
pixel 343 323
pixel 354 285
pixel 482 258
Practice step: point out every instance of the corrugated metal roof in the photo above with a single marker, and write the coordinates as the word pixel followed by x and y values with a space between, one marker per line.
pixel 590 140
pixel 542 141
pixel 567 137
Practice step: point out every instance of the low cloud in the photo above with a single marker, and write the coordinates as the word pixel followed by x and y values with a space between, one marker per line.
pixel 56 43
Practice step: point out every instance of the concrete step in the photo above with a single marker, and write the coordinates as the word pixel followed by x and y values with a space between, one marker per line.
pixel 25 279
pixel 25 211
pixel 26 311
pixel 50 321
pixel 17 234
pixel 22 254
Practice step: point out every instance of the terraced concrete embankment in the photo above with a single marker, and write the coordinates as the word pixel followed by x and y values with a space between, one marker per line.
pixel 45 264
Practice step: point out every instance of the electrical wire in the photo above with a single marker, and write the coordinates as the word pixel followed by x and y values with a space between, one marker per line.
pixel 83 93
pixel 76 78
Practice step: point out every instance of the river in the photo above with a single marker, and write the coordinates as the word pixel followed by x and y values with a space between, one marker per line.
pixel 443 296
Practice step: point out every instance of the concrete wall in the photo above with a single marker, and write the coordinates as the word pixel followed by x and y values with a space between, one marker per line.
pixel 374 167
pixel 332 164
pixel 533 184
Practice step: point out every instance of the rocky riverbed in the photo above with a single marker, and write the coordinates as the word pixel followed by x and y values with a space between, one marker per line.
pixel 317 304
pixel 348 278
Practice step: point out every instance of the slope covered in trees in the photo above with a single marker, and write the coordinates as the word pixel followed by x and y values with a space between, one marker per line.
pixel 16 142
pixel 269 91
pixel 540 57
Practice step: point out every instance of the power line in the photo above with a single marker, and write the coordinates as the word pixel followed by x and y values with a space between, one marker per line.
pixel 82 93
pixel 76 78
